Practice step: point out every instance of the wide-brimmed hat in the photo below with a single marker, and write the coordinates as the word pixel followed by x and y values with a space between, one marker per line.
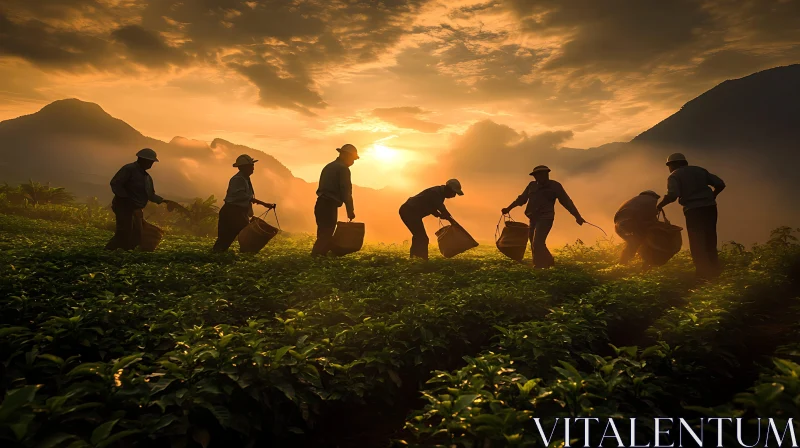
pixel 348 148
pixel 540 169
pixel 243 160
pixel 147 154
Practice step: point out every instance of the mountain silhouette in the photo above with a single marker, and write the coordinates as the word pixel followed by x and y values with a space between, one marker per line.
pixel 762 109
pixel 746 130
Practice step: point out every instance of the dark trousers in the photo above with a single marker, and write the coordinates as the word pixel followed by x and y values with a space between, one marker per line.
pixel 419 238
pixel 128 231
pixel 540 228
pixel 232 219
pixel 701 225
pixel 326 212
pixel 634 234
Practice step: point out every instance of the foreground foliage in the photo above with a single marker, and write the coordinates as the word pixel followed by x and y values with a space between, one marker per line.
pixel 183 347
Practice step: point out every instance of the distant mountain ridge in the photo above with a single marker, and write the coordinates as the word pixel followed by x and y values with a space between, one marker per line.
pixel 747 130
pixel 762 108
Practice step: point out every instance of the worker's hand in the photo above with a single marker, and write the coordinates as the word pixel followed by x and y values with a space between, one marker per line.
pixel 351 215
pixel 505 211
pixel 170 205
pixel 269 206
pixel 580 220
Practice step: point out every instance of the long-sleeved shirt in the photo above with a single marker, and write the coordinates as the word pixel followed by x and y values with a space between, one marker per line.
pixel 132 182
pixel 334 184
pixel 240 192
pixel 640 209
pixel 429 202
pixel 541 200
pixel 690 184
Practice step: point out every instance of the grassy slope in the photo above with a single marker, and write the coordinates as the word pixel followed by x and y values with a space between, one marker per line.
pixel 283 348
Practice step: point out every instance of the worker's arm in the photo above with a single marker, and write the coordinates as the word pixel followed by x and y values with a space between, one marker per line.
pixel 717 183
pixel 443 212
pixel 566 202
pixel 346 189
pixel 673 193
pixel 119 180
pixel 265 204
pixel 521 200
pixel 151 191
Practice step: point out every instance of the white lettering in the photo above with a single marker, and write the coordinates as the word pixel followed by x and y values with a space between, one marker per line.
pixel 586 429
pixel 633 436
pixel 699 440
pixel 541 431
pixel 719 428
pixel 739 433
pixel 566 433
pixel 774 429
pixel 615 436
pixel 659 432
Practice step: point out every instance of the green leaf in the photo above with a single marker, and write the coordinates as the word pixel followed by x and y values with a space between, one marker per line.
pixel 8 331
pixel 463 401
pixel 126 361
pixel 21 429
pixel 52 358
pixel 116 437
pixel 102 432
pixel 17 398
pixel 55 440
pixel 281 352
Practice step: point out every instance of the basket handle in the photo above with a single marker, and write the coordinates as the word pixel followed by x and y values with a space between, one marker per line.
pixel 664 215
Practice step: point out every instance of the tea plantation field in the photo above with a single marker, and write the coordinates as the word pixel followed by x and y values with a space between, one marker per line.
pixel 185 348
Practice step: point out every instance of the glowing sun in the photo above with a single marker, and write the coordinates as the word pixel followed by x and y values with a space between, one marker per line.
pixel 385 154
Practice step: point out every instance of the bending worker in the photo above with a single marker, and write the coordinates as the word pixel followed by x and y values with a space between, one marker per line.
pixel 690 186
pixel 133 188
pixel 633 219
pixel 335 189
pixel 429 202
pixel 238 208
pixel 541 195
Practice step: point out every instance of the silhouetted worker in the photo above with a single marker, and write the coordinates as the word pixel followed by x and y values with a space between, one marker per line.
pixel 632 221
pixel 690 186
pixel 335 189
pixel 133 188
pixel 429 202
pixel 541 195
pixel 238 208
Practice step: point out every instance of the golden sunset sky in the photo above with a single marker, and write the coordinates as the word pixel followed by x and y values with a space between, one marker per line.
pixel 402 80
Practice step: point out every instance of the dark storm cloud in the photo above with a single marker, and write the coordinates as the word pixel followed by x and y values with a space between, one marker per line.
pixel 615 35
pixel 291 92
pixel 48 46
pixel 275 44
pixel 407 117
pixel 147 47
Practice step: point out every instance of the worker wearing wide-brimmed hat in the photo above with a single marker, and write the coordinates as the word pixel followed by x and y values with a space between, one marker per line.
pixel 690 185
pixel 429 202
pixel 335 189
pixel 238 207
pixel 541 195
pixel 133 188
pixel 633 219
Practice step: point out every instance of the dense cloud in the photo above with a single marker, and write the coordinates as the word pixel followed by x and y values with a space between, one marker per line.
pixel 575 64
